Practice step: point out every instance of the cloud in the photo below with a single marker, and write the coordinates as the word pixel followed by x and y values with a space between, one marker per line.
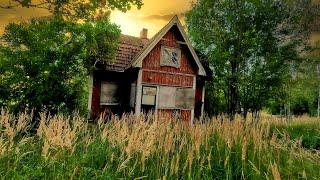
pixel 165 17
pixel 18 14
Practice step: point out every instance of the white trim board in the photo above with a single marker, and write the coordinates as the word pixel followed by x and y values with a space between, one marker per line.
pixel 90 92
pixel 138 93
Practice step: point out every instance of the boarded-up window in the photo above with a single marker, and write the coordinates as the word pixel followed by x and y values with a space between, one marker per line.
pixel 170 56
pixel 149 95
pixel 167 97
pixel 185 98
pixel 109 93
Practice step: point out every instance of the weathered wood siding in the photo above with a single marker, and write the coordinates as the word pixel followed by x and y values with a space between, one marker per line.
pixel 153 73
pixel 162 78
pixel 152 61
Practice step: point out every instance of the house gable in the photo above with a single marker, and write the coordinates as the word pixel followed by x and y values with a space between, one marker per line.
pixel 155 72
pixel 173 24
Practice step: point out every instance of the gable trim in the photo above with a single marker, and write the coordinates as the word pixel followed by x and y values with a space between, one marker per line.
pixel 137 62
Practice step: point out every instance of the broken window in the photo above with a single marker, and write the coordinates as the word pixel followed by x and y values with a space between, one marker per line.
pixel 109 94
pixel 170 56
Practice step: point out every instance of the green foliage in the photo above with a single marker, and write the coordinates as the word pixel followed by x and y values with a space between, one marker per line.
pixel 214 102
pixel 87 10
pixel 302 89
pixel 305 99
pixel 44 64
pixel 308 133
pixel 248 44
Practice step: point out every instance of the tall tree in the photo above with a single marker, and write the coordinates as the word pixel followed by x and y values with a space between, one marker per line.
pixel 249 44
pixel 44 63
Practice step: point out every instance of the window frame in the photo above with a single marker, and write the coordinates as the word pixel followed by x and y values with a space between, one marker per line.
pixel 162 61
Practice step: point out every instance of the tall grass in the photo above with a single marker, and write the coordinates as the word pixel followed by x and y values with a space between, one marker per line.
pixel 141 147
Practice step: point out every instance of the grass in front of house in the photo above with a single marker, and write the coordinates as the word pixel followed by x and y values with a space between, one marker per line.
pixel 141 147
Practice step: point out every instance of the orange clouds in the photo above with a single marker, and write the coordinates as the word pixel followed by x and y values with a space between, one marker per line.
pixel 153 15
pixel 18 14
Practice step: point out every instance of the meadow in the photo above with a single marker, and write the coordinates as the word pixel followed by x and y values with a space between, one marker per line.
pixel 143 147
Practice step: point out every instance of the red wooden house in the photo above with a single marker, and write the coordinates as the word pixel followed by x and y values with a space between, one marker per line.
pixel 163 74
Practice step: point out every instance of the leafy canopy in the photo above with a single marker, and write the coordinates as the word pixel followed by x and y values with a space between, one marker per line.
pixel 44 63
pixel 249 44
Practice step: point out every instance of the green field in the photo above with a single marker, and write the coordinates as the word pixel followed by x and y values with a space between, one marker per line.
pixel 144 148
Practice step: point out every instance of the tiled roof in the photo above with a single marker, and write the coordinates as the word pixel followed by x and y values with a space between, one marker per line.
pixel 129 46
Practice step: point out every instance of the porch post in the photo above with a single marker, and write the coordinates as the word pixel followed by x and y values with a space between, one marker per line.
pixel 138 93
pixel 194 88
pixel 90 92
pixel 202 101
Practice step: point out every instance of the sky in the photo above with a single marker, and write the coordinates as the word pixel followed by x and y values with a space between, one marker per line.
pixel 153 15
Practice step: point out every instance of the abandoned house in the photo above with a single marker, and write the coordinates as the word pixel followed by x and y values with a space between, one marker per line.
pixel 162 74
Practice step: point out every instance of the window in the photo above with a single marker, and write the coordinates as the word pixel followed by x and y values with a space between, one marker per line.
pixel 170 56
pixel 185 98
pixel 109 94
pixel 149 95
pixel 167 97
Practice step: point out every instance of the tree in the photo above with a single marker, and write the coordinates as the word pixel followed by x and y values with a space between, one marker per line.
pixel 44 63
pixel 76 9
pixel 301 99
pixel 249 44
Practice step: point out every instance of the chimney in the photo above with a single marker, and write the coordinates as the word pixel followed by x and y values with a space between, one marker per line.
pixel 144 33
pixel 144 36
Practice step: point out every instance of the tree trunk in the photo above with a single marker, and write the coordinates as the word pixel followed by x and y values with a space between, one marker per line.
pixel 233 90
pixel 318 72
pixel 319 102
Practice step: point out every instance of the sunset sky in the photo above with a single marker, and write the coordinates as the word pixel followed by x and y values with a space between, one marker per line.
pixel 153 15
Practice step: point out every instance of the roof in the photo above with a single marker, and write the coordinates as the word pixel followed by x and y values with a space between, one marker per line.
pixel 132 50
pixel 129 46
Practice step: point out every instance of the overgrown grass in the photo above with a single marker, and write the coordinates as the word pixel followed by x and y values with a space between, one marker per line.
pixel 144 148
pixel 304 130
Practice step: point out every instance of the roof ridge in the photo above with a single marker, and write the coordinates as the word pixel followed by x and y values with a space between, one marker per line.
pixel 129 36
